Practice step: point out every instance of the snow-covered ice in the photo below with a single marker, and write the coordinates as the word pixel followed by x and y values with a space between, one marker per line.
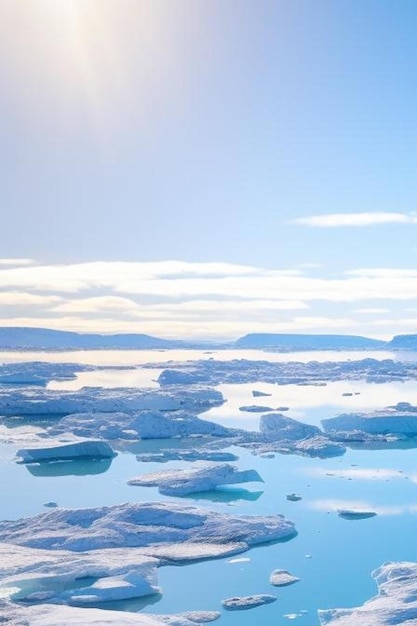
pixel 190 454
pixel 275 426
pixel 282 578
pixel 32 574
pixel 240 603
pixel 34 401
pixel 88 449
pixel 146 424
pixel 53 615
pixel 182 482
pixel 400 419
pixel 140 525
pixel 396 602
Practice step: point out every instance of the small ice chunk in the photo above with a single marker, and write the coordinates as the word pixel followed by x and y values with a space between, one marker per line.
pixel 294 497
pixel 352 514
pixel 240 603
pixel 80 449
pixel 282 578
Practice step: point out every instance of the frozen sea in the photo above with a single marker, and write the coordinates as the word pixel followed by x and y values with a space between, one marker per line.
pixel 332 556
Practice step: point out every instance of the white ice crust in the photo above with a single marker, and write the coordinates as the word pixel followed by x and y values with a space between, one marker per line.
pixel 182 482
pixel 146 424
pixel 56 575
pixel 34 401
pixel 400 420
pixel 52 615
pixel 88 449
pixel 142 525
pixel 396 602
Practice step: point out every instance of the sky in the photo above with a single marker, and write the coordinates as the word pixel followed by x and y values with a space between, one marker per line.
pixel 208 168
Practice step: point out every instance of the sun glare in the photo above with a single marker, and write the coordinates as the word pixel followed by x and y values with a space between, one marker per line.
pixel 109 59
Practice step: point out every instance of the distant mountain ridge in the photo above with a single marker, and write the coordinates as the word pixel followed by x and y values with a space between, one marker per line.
pixel 297 341
pixel 28 338
pixel 44 338
pixel 403 342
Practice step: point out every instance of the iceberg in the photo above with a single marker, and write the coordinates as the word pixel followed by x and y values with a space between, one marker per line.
pixel 30 574
pixel 400 419
pixel 182 482
pixel 143 524
pixel 241 603
pixel 147 424
pixel 190 454
pixel 255 408
pixel 34 401
pixel 53 615
pixel 282 578
pixel 396 602
pixel 64 452
pixel 352 514
pixel 275 426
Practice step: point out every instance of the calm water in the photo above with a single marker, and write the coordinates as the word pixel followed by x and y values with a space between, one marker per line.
pixel 332 556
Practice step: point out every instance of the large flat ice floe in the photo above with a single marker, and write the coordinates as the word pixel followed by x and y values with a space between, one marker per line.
pixel 147 424
pixel 63 452
pixel 34 401
pixel 52 615
pixel 144 525
pixel 400 419
pixel 182 482
pixel 29 574
pixel 396 602
pixel 40 373
pixel 215 372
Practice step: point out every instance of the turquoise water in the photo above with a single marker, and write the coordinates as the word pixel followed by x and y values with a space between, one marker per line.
pixel 332 556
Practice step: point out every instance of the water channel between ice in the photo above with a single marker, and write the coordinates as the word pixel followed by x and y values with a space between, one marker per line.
pixel 333 557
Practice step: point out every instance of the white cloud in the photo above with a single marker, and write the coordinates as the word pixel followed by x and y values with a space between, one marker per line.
pixel 335 220
pixel 17 262
pixel 368 473
pixel 371 311
pixel 203 299
pixel 16 298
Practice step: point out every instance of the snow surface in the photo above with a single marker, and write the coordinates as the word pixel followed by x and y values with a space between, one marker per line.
pixel 181 482
pixel 70 451
pixel 400 419
pixel 142 524
pixel 190 454
pixel 52 615
pixel 396 602
pixel 147 424
pixel 240 603
pixel 275 426
pixel 56 575
pixel 34 401
pixel 282 578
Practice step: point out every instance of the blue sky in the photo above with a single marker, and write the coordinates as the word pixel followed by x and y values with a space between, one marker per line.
pixel 272 135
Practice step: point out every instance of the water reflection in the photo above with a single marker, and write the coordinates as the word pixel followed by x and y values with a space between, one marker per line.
pixel 134 605
pixel 80 467
pixel 224 494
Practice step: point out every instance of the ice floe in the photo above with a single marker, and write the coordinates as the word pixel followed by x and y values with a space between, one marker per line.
pixel 34 401
pixel 275 426
pixel 182 482
pixel 147 424
pixel 142 524
pixel 190 454
pixel 282 578
pixel 88 449
pixel 240 603
pixel 400 419
pixel 396 602
pixel 53 615
pixel 56 576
